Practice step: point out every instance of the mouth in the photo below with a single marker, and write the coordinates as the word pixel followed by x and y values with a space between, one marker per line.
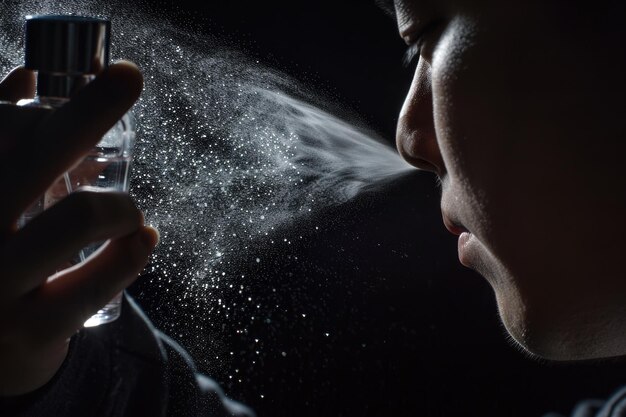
pixel 467 241
pixel 453 226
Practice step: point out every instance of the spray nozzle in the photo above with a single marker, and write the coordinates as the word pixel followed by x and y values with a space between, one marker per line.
pixel 66 50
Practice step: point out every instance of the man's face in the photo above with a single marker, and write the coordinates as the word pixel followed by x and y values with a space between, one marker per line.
pixel 518 112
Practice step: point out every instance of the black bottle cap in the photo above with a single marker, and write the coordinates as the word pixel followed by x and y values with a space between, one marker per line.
pixel 67 44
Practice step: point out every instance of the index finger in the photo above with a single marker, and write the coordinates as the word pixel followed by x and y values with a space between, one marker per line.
pixel 18 84
pixel 66 136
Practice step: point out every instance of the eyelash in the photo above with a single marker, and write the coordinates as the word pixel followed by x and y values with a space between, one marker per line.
pixel 411 56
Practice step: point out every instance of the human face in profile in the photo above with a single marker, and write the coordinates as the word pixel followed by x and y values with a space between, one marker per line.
pixel 517 106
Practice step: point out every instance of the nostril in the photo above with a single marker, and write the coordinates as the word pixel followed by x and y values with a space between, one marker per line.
pixel 418 146
pixel 422 164
pixel 408 151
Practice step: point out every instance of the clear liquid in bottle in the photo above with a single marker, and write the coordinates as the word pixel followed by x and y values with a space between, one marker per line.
pixel 107 167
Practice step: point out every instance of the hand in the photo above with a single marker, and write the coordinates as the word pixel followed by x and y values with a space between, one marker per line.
pixel 39 309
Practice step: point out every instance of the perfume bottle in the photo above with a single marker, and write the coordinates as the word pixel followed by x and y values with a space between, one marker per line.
pixel 67 52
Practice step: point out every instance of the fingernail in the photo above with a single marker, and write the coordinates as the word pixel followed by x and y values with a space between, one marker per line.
pixel 125 62
pixel 150 236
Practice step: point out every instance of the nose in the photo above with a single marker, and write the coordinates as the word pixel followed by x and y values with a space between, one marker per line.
pixel 415 135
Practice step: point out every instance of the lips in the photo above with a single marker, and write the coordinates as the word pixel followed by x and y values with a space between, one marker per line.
pixel 467 241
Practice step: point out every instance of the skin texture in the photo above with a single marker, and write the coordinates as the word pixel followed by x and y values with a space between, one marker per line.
pixel 39 309
pixel 517 106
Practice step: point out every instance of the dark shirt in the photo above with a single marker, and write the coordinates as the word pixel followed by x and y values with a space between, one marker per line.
pixel 129 368
pixel 126 368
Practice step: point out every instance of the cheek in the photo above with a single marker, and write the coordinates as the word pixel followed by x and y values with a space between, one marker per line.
pixel 488 131
pixel 466 127
pixel 522 172
pixel 482 124
pixel 503 144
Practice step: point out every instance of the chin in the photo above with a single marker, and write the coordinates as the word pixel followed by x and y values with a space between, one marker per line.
pixel 572 336
pixel 557 317
pixel 536 345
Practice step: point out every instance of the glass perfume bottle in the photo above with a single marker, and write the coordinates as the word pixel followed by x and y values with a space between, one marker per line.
pixel 67 52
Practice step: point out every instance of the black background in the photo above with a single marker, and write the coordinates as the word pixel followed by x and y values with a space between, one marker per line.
pixel 411 331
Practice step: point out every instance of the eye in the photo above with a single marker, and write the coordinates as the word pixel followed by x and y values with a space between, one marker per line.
pixel 412 54
pixel 423 38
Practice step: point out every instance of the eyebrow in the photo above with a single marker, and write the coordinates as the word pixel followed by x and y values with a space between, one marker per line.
pixel 387 6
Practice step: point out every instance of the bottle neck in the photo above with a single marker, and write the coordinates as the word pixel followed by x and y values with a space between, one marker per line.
pixel 61 85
